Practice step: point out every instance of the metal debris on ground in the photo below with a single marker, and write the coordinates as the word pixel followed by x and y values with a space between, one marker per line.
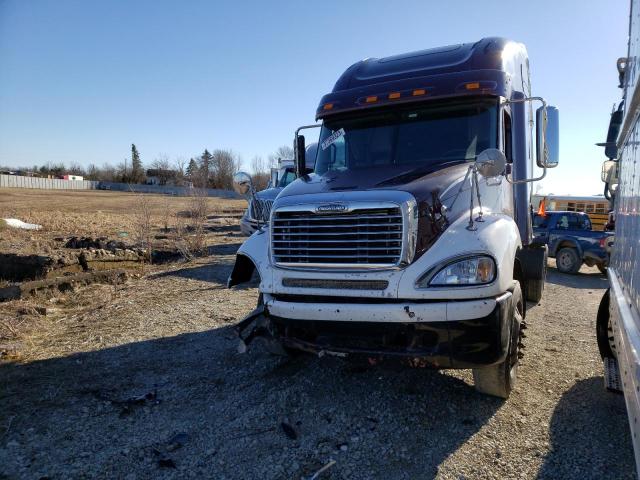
pixel 316 475
pixel 130 404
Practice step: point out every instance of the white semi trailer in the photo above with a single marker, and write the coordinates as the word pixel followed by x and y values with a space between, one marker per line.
pixel 618 323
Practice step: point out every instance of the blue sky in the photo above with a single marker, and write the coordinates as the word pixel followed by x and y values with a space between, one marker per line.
pixel 82 80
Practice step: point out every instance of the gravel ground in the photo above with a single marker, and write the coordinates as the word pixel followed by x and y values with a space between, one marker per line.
pixel 149 385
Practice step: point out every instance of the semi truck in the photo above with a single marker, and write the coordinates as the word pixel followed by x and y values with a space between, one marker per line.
pixel 259 209
pixel 618 319
pixel 411 237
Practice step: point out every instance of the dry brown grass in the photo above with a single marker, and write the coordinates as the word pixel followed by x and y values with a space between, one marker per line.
pixel 43 315
pixel 88 213
pixel 194 223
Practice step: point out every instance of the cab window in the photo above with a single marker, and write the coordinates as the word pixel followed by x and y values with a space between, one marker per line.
pixel 288 177
pixel 540 221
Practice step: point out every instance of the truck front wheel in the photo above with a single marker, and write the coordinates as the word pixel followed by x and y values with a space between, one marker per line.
pixel 498 380
pixel 567 260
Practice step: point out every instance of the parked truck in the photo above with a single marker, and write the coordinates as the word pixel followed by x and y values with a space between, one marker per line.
pixel 618 320
pixel 572 241
pixel 259 209
pixel 412 236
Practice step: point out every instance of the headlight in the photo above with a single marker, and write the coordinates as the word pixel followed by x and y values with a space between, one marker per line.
pixel 478 270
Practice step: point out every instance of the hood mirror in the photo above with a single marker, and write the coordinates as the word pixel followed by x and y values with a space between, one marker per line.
pixel 491 162
pixel 242 183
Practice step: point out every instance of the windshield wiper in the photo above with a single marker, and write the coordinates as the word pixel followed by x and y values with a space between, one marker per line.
pixel 418 172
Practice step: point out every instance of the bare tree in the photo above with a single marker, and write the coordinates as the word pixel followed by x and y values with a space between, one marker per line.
pixel 260 173
pixel 76 169
pixel 143 226
pixel 180 165
pixel 107 173
pixel 190 231
pixel 93 172
pixel 283 152
pixel 225 164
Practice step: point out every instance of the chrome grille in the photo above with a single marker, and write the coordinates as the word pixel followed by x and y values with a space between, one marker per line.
pixel 360 237
pixel 260 209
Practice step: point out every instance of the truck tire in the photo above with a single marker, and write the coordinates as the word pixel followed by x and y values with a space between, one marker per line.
pixel 568 260
pixel 604 330
pixel 499 380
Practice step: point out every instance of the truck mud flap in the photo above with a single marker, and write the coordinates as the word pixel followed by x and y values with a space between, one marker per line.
pixel 533 262
pixel 253 325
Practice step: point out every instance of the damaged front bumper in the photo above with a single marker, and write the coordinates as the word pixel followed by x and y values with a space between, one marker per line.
pixel 442 334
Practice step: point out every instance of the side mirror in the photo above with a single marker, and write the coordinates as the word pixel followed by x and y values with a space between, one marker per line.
pixel 273 182
pixel 242 183
pixel 300 157
pixel 547 137
pixel 491 162
pixel 609 172
pixel 611 147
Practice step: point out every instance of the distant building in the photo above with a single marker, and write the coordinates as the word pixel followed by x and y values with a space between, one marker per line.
pixel 159 176
pixel 72 177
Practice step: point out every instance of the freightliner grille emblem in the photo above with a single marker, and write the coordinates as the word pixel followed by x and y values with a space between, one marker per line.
pixel 331 208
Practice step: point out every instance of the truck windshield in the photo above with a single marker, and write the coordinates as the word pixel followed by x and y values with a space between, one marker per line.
pixel 286 177
pixel 420 136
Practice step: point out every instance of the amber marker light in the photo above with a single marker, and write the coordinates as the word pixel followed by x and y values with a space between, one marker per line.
pixel 419 91
pixel 327 106
pixel 485 270
pixel 394 95
pixel 371 99
pixel 472 86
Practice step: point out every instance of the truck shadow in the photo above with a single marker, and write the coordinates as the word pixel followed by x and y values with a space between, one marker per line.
pixel 217 273
pixel 589 435
pixel 112 412
pixel 223 248
pixel 587 280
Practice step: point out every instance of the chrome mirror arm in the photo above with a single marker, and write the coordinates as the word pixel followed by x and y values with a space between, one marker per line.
pixel 544 132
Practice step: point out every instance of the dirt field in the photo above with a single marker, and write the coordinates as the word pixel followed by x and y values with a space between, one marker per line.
pixel 144 381
pixel 65 213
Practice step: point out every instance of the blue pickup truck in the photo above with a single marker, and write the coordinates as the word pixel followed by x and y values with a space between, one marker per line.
pixel 571 240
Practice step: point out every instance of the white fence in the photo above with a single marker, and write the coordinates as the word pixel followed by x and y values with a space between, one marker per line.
pixel 16 181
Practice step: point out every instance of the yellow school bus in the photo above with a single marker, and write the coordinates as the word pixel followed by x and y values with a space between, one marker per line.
pixel 597 207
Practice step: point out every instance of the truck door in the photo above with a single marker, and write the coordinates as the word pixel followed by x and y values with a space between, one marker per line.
pixel 558 228
pixel 541 228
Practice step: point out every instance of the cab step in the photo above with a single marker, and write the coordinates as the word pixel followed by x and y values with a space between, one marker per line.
pixel 612 379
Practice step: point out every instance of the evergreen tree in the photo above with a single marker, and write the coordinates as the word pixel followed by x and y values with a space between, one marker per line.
pixel 192 169
pixel 205 169
pixel 137 172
